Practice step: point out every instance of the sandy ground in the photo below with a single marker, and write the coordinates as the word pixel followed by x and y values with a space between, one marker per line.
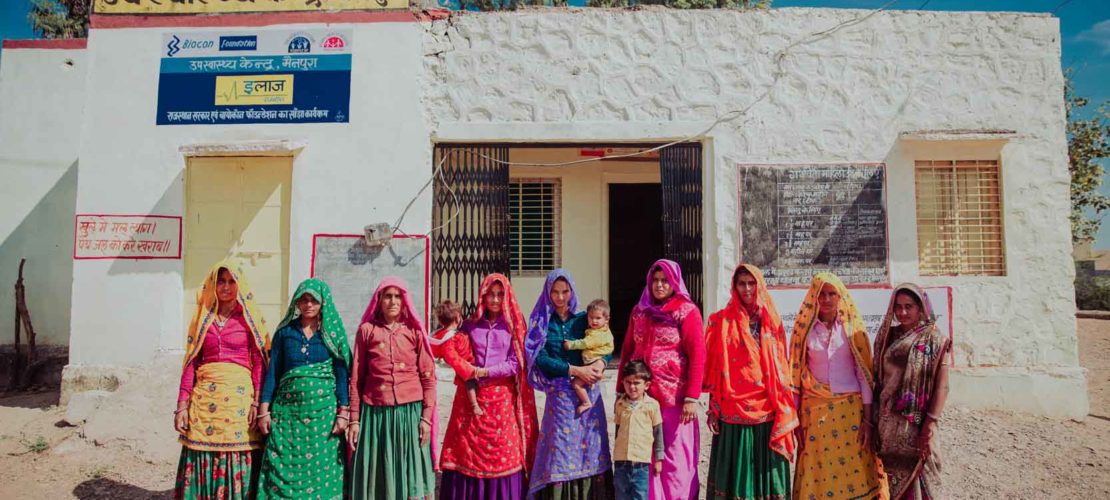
pixel 987 454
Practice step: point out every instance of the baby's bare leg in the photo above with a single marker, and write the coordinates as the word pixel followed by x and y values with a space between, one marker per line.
pixel 580 389
pixel 472 395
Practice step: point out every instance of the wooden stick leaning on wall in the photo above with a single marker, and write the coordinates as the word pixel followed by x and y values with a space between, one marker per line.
pixel 22 366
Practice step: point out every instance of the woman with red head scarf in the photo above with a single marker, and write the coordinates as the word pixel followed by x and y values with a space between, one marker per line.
pixel 665 331
pixel 751 409
pixel 487 455
pixel 393 376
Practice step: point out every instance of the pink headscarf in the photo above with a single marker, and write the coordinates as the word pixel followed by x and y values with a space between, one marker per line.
pixel 674 277
pixel 412 320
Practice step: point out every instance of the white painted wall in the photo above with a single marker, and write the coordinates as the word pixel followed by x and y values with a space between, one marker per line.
pixel 618 75
pixel 347 176
pixel 42 99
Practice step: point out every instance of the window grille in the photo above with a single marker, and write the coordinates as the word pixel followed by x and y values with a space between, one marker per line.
pixel 959 218
pixel 535 213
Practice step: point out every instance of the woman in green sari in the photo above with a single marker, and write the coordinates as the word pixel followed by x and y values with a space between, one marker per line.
pixel 305 400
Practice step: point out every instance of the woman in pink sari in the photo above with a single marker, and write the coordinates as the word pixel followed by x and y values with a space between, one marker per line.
pixel 666 332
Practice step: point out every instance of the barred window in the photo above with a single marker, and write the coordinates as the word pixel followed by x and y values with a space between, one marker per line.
pixel 959 218
pixel 535 212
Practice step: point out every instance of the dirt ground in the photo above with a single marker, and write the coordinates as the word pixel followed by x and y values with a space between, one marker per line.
pixel 987 454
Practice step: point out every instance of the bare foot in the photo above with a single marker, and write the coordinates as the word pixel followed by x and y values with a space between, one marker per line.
pixel 477 410
pixel 583 407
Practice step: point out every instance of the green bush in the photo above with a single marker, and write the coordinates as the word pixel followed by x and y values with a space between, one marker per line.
pixel 1092 293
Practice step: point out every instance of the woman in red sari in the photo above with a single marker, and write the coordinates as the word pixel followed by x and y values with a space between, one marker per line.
pixel 486 456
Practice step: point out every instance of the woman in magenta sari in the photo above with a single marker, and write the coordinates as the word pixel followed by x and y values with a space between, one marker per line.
pixel 572 454
pixel 666 332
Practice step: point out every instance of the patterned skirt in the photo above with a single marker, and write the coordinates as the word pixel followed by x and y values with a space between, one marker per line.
pixel 743 466
pixel 831 461
pixel 220 452
pixel 303 459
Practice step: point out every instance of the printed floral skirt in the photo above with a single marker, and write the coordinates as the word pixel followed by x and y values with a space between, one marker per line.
pixel 216 475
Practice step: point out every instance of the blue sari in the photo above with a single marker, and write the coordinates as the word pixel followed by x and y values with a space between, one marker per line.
pixel 572 453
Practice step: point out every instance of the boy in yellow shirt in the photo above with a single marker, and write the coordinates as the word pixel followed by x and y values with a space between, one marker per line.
pixel 639 442
pixel 595 344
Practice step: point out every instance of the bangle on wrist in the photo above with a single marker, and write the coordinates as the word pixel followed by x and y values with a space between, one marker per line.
pixel 260 417
pixel 426 421
pixel 932 416
pixel 344 417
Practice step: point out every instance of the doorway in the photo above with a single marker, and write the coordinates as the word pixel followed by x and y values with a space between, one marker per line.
pixel 635 243
pixel 237 208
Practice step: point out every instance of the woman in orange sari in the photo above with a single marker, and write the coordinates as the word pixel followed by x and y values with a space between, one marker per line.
pixel 751 409
pixel 487 455
pixel 830 360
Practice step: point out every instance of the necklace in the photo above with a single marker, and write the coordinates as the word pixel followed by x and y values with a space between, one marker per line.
pixel 221 322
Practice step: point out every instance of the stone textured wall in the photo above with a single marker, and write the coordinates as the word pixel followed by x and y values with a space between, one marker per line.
pixel 818 85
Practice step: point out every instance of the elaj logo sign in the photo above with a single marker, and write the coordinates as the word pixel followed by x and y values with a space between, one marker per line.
pixel 300 45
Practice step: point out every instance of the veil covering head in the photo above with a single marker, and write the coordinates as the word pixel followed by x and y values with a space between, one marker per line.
pixel 541 316
pixel 334 334
pixel 850 319
pixel 922 360
pixel 205 314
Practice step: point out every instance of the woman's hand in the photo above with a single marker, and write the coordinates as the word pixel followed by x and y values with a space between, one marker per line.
pixel 480 373
pixel 181 418
pixel 658 467
pixel 252 415
pixel 340 425
pixel 566 345
pixel 865 434
pixel 713 422
pixel 352 435
pixel 799 438
pixel 586 374
pixel 425 432
pixel 925 439
pixel 689 412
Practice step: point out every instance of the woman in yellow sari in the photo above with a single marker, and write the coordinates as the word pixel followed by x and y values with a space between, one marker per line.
pixel 225 357
pixel 830 356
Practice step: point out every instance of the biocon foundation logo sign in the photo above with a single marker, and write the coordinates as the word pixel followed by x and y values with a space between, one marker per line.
pixel 264 76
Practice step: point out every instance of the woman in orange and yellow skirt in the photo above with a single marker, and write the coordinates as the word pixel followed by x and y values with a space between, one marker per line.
pixel 225 357
pixel 830 357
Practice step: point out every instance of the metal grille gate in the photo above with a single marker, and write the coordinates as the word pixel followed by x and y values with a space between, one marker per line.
pixel 471 226
pixel 470 238
pixel 680 173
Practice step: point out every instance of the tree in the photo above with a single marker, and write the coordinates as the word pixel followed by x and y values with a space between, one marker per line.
pixel 60 18
pixel 1088 142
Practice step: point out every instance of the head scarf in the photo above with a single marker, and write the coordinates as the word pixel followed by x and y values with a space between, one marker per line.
pixel 849 317
pixel 205 315
pixel 334 335
pixel 525 397
pixel 410 319
pixel 541 316
pixel 923 360
pixel 674 277
pixel 732 323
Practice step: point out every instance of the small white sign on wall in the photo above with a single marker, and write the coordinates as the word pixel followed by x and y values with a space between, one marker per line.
pixel 127 237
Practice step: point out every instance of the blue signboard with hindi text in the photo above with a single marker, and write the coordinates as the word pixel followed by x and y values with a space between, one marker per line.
pixel 266 76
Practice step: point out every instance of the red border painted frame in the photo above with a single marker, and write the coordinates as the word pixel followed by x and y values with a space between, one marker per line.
pixel 180 225
pixel 886 216
pixel 427 261
pixel 255 19
pixel 51 44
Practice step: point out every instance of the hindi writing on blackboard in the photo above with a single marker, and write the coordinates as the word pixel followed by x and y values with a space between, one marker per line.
pixel 798 220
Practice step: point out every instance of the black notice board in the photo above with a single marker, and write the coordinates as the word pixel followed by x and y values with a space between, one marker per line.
pixel 798 220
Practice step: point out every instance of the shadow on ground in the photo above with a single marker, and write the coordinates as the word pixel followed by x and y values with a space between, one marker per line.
pixel 110 488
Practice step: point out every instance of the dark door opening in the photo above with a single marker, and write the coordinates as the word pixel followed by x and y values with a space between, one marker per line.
pixel 635 243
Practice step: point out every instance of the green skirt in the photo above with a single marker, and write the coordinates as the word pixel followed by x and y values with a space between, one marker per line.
pixel 303 459
pixel 389 463
pixel 229 475
pixel 599 487
pixel 742 465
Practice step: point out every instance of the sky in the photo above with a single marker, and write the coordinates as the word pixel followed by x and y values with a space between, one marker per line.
pixel 1084 27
